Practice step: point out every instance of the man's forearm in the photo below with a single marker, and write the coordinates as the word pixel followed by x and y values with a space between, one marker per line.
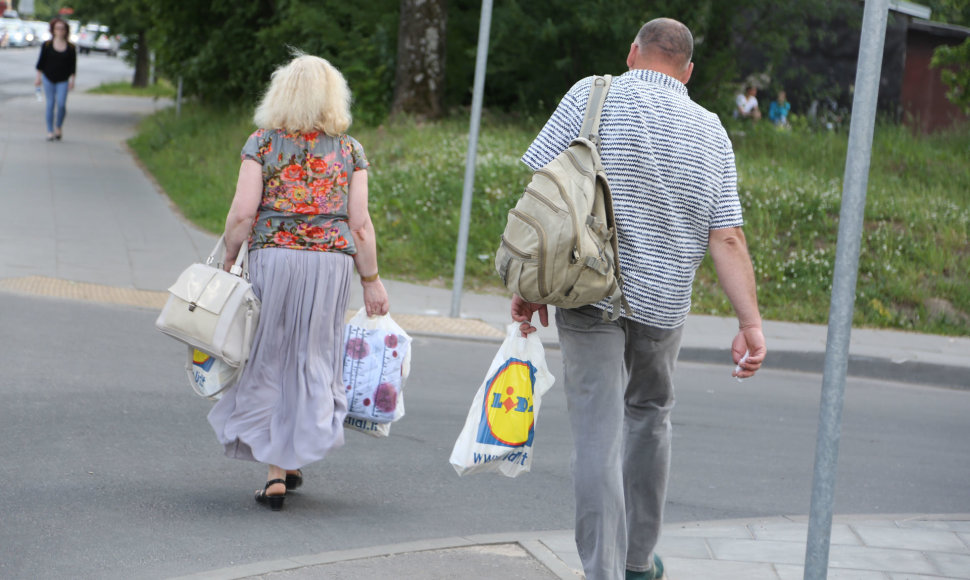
pixel 729 251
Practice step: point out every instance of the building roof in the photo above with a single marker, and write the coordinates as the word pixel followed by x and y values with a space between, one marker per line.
pixel 940 29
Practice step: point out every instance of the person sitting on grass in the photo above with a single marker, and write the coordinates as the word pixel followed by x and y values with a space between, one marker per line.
pixel 778 111
pixel 746 105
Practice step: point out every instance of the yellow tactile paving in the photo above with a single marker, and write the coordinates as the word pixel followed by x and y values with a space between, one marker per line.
pixel 57 288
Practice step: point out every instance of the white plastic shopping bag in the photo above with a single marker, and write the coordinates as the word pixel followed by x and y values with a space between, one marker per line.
pixel 368 427
pixel 377 361
pixel 500 428
pixel 210 377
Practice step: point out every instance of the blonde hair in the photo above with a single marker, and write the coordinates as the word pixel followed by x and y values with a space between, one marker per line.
pixel 306 94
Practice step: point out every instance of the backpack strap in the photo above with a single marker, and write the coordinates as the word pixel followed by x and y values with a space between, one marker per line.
pixel 590 130
pixel 617 300
pixel 594 108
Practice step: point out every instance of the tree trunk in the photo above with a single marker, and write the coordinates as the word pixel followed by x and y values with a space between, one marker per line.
pixel 143 63
pixel 420 72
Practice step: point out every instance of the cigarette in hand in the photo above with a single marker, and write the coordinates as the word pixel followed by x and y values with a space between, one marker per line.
pixel 737 369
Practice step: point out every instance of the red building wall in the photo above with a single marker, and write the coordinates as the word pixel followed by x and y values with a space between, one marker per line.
pixel 925 106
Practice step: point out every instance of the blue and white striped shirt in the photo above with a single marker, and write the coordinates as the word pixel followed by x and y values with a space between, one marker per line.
pixel 671 171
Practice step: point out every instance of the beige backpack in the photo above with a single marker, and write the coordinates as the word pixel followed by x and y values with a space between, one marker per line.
pixel 559 245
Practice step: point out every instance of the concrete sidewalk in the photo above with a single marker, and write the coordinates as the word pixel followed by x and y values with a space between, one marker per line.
pixel 96 228
pixel 920 547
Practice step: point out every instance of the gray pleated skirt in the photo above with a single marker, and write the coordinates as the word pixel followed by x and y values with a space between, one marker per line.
pixel 289 405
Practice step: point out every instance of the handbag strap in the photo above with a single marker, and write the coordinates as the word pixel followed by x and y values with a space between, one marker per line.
pixel 241 265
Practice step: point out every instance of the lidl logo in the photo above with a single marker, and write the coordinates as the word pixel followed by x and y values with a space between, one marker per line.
pixel 201 359
pixel 507 417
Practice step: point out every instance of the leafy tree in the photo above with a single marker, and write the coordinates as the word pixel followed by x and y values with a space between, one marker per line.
pixel 951 11
pixel 420 70
pixel 225 52
pixel 954 61
pixel 539 49
pixel 130 18
pixel 955 64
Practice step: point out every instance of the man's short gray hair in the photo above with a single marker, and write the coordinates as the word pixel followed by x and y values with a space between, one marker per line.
pixel 668 37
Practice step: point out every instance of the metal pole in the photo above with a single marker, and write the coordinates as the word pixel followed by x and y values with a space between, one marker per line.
pixel 178 99
pixel 466 195
pixel 844 286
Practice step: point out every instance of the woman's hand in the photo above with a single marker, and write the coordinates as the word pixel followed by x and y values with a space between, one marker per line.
pixel 375 298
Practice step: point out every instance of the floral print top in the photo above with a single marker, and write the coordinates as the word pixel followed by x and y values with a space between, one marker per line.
pixel 306 182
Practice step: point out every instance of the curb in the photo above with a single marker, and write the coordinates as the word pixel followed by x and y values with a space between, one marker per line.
pixel 541 545
pixel 530 542
pixel 933 374
pixel 470 329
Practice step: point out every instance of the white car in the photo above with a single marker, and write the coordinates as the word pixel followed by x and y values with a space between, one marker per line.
pixel 42 31
pixel 15 32
pixel 97 37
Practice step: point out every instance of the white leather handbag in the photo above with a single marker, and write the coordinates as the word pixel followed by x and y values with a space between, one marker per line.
pixel 213 310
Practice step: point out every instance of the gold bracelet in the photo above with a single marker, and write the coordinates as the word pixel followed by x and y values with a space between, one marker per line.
pixel 370 278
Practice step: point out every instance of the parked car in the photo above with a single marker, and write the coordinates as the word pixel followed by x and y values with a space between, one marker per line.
pixel 97 37
pixel 74 27
pixel 17 34
pixel 42 31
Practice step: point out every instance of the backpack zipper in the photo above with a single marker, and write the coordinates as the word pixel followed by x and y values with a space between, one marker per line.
pixel 570 209
pixel 513 250
pixel 542 248
pixel 545 200
pixel 577 164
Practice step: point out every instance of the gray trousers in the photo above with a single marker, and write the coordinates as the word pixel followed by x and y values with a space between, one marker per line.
pixel 619 391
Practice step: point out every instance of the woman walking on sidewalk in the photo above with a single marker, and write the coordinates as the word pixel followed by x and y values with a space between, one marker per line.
pixel 56 68
pixel 301 205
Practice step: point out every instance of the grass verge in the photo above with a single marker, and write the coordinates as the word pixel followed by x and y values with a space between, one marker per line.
pixel 161 89
pixel 915 255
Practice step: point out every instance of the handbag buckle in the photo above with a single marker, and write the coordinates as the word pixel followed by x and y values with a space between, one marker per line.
pixel 192 306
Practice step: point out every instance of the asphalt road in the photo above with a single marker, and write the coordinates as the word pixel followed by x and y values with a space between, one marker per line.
pixel 110 469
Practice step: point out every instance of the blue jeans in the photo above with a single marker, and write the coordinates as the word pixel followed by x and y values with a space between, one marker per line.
pixel 619 389
pixel 56 95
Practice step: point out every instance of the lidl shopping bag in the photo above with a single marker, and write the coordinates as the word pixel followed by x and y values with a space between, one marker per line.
pixel 500 427
pixel 377 361
pixel 210 377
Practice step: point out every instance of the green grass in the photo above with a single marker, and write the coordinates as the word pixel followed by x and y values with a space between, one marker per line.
pixel 161 89
pixel 915 255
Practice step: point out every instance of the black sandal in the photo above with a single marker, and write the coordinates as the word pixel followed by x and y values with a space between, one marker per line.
pixel 294 480
pixel 275 502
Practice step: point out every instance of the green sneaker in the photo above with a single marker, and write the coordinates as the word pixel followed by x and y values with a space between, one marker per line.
pixel 656 574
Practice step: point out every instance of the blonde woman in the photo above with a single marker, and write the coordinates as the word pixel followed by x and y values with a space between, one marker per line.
pixel 301 205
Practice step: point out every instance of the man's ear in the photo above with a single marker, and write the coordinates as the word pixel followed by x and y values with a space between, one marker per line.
pixel 632 57
pixel 686 76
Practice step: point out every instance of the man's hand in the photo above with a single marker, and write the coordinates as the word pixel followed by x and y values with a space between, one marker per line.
pixel 752 341
pixel 522 312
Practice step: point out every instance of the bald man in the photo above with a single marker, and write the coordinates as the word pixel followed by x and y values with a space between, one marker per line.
pixel 671 171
